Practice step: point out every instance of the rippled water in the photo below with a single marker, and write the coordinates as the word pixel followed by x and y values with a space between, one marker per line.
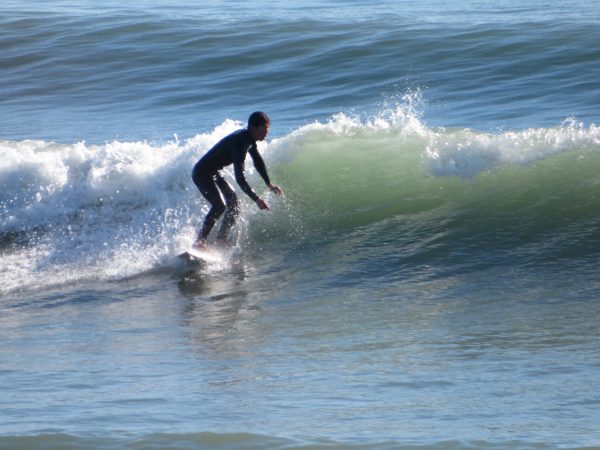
pixel 429 280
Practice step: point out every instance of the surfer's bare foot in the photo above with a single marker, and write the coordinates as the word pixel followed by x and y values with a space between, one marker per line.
pixel 224 243
pixel 200 245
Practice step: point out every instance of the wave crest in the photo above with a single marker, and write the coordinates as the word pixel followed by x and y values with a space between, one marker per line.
pixel 74 211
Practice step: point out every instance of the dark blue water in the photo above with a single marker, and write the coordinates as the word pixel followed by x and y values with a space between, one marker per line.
pixel 145 71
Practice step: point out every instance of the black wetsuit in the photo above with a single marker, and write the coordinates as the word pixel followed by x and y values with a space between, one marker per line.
pixel 232 149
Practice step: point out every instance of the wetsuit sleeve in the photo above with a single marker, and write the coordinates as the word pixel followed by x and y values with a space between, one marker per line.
pixel 240 178
pixel 259 164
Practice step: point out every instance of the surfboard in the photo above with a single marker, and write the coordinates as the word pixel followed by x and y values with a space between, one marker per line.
pixel 207 256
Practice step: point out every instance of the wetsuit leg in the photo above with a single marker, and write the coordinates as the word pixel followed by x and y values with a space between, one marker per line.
pixel 207 184
pixel 233 209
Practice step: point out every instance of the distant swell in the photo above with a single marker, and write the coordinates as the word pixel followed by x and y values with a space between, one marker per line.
pixel 147 74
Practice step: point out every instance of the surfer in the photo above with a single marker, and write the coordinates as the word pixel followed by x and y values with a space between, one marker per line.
pixel 206 175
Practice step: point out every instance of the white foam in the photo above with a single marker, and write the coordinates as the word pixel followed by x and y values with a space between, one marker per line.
pixel 466 153
pixel 106 211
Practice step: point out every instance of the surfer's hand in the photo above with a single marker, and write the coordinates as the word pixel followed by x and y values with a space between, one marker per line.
pixel 262 204
pixel 276 189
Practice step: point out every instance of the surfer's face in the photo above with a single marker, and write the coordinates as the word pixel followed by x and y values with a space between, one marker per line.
pixel 260 133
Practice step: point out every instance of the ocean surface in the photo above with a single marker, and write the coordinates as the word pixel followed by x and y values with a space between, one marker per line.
pixel 429 281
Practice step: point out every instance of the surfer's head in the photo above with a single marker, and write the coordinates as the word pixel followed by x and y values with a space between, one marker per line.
pixel 258 125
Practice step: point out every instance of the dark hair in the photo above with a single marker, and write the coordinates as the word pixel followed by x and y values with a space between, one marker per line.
pixel 257 119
